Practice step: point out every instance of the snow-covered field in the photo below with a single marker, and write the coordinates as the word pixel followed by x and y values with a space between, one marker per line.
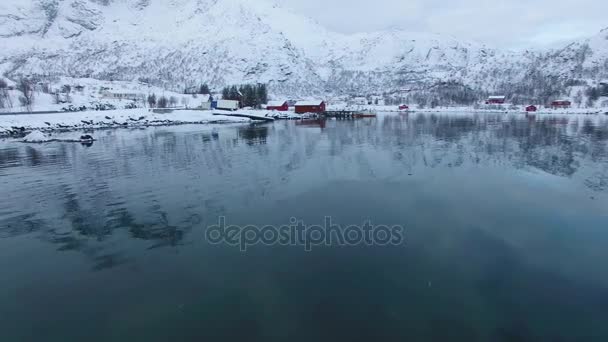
pixel 89 92
pixel 19 124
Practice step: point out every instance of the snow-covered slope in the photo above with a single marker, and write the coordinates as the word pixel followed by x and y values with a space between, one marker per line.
pixel 175 43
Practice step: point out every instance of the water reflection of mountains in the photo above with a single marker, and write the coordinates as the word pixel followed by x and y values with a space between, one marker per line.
pixel 130 182
pixel 556 145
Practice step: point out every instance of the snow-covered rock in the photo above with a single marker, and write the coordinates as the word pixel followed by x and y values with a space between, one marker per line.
pixel 36 137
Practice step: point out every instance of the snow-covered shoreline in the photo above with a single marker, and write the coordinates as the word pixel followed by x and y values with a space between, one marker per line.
pixel 464 109
pixel 17 125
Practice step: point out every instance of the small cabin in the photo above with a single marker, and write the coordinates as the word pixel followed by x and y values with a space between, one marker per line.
pixel 531 109
pixel 404 107
pixel 310 107
pixel 280 106
pixel 557 104
pixel 496 100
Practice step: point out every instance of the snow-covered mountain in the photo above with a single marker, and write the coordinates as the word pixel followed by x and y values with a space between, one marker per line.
pixel 180 42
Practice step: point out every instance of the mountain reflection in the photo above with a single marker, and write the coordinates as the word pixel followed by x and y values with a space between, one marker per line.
pixel 159 184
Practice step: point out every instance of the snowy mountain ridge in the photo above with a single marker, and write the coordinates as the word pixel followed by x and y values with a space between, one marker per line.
pixel 176 43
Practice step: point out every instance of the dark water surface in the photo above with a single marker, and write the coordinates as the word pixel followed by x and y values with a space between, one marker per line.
pixel 506 232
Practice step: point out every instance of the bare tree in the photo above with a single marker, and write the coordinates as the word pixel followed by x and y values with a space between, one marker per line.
pixel 67 90
pixel 142 99
pixel 172 101
pixel 185 101
pixel 152 100
pixel 162 102
pixel 27 90
pixel 3 93
pixel 57 98
pixel 578 98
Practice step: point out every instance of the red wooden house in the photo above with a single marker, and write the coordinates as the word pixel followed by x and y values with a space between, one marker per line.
pixel 561 104
pixel 281 106
pixel 531 108
pixel 496 100
pixel 404 107
pixel 310 107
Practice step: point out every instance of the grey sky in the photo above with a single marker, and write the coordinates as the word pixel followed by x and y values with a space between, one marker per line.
pixel 512 23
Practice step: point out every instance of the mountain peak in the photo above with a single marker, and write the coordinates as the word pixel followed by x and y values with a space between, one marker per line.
pixel 181 42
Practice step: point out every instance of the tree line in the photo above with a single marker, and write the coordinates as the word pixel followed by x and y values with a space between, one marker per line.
pixel 249 95
pixel 164 102
pixel 203 89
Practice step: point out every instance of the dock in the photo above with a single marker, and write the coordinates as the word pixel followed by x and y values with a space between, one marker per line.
pixel 348 114
pixel 246 115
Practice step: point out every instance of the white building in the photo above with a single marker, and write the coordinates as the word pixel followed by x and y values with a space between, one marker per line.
pixel 359 101
pixel 106 94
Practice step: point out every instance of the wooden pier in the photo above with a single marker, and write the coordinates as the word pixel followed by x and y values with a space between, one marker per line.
pixel 348 114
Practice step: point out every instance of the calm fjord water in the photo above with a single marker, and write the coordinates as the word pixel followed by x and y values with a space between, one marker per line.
pixel 506 232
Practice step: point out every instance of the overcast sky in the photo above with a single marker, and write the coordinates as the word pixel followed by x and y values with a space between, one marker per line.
pixel 510 23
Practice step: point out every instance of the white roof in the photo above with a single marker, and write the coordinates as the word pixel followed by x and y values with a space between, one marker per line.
pixel 309 103
pixel 275 103
pixel 497 97
pixel 204 97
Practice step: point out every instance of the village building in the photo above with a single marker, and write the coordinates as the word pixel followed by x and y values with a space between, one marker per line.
pixel 559 104
pixel 280 106
pixel 531 108
pixel 228 105
pixel 496 100
pixel 317 106
pixel 106 94
pixel 205 105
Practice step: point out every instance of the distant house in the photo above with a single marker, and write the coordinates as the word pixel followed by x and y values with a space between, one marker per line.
pixel 317 106
pixel 204 105
pixel 360 101
pixel 496 100
pixel 228 104
pixel 106 94
pixel 281 106
pixel 404 107
pixel 557 104
pixel 531 108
